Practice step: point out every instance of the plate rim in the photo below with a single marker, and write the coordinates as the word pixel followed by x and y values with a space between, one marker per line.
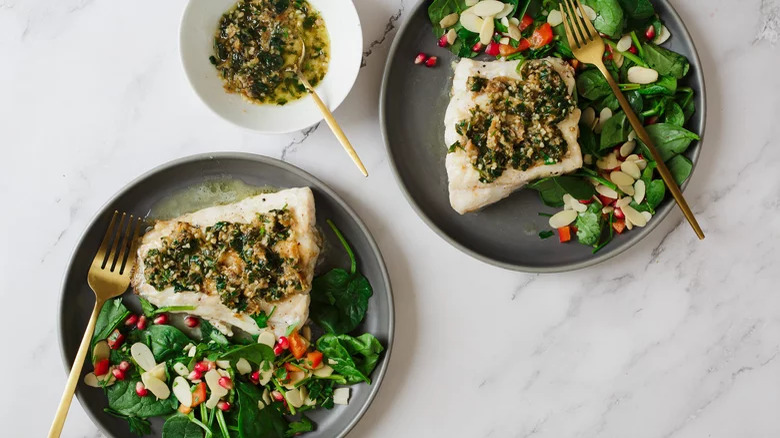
pixel 661 214
pixel 379 373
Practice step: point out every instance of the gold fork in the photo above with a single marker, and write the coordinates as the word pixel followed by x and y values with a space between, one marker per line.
pixel 329 119
pixel 588 46
pixel 108 277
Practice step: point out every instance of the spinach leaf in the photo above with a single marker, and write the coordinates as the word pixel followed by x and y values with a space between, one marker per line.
pixel 465 42
pixel 636 101
pixel 666 62
pixel 686 102
pixel 353 358
pixel 255 353
pixel 167 342
pixel 592 85
pixel 674 114
pixel 546 234
pixel 654 193
pixel 146 307
pixel 257 423
pixel 637 9
pixel 588 141
pixel 300 426
pixel 123 400
pixel 180 426
pixel 209 333
pixel 440 9
pixel 111 315
pixel 615 131
pixel 610 16
pixel 339 299
pixel 138 426
pixel 609 101
pixel 552 189
pixel 665 85
pixel 590 224
pixel 680 167
pixel 670 139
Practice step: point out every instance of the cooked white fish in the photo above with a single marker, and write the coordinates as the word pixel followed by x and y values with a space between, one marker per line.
pixel 467 192
pixel 232 261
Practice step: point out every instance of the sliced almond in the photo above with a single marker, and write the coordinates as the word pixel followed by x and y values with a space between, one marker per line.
pixel 618 59
pixel 341 396
pixel 260 405
pixel 632 157
pixel 554 18
pixel 632 135
pixel 224 364
pixel 470 3
pixel 486 31
pixel 587 159
pixel 107 379
pixel 662 36
pixel 294 398
pixel 181 389
pixel 266 337
pixel 605 115
pixel 641 164
pixel 159 371
pixel 634 216
pixel 590 12
pixel 628 223
pixel 620 178
pixel 622 202
pixel 143 356
pixel 623 44
pixel 100 351
pixel 647 215
pixel 567 198
pixel 505 21
pixel 642 75
pixel 449 20
pixel 608 162
pixel 504 41
pixel 588 116
pixel 514 32
pixel 608 209
pixel 211 403
pixel 181 369
pixel 487 8
pixel 576 205
pixel 451 36
pixel 243 366
pixel 607 192
pixel 630 168
pixel 471 22
pixel 506 11
pixel 639 191
pixel 563 218
pixel 324 371
pixel 156 386
pixel 515 22
pixel 266 396
pixel 91 380
pixel 627 189
pixel 627 148
pixel 212 380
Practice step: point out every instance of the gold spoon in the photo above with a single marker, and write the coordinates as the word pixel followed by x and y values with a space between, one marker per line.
pixel 334 126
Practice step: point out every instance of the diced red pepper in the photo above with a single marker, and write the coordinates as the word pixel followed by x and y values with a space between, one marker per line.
pixel 291 368
pixel 184 409
pixel 606 201
pixel 298 344
pixel 542 36
pixel 101 367
pixel 619 225
pixel 115 339
pixel 564 234
pixel 508 49
pixel 525 22
pixel 313 359
pixel 199 394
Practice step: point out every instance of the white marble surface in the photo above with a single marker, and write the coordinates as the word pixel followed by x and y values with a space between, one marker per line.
pixel 677 338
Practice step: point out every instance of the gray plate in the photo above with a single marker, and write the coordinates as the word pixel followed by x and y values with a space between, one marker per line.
pixel 412 106
pixel 138 196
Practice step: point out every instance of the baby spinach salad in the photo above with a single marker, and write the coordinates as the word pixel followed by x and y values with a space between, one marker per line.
pixel 617 187
pixel 206 384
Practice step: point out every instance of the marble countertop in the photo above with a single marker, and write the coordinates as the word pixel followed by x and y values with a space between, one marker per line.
pixel 674 338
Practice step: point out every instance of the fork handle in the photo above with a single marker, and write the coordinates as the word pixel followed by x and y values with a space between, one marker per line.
pixel 660 165
pixel 75 373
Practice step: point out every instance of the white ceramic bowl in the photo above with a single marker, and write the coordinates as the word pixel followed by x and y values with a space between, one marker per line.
pixel 196 42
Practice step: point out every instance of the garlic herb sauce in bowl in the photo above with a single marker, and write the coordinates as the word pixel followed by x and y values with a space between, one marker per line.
pixel 258 43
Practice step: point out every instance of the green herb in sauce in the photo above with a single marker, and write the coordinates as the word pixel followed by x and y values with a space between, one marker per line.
pixel 243 263
pixel 258 41
pixel 518 126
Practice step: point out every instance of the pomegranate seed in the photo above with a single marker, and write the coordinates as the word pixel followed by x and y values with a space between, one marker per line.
pixel 191 321
pixel 223 405
pixel 255 376
pixel 119 374
pixel 201 367
pixel 477 47
pixel 431 62
pixel 278 349
pixel 141 390
pixel 225 382
pixel 492 49
pixel 141 323
pixel 195 375
pixel 283 341
pixel 650 32
pixel 124 366
pixel 609 48
pixel 619 213
pixel 633 50
pixel 101 367
pixel 131 320
pixel 652 120
pixel 420 58
pixel 443 41
pixel 161 319
pixel 277 395
pixel 586 201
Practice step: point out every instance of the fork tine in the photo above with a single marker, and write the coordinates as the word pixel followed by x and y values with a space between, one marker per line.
pixel 121 250
pixel 573 43
pixel 586 20
pixel 102 252
pixel 111 256
pixel 131 249
pixel 575 22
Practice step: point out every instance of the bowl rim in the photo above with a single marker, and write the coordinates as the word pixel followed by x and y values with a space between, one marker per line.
pixel 378 374
pixel 332 106
pixel 661 213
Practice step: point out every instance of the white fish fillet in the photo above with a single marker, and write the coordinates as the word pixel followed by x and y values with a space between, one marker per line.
pixel 467 193
pixel 291 310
